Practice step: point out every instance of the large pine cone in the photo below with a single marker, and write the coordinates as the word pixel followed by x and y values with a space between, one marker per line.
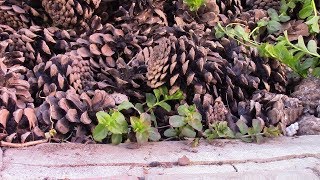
pixel 69 112
pixel 263 4
pixel 70 14
pixel 273 109
pixel 18 121
pixel 36 44
pixel 62 72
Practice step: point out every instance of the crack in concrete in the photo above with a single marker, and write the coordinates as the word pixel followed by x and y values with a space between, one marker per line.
pixel 226 162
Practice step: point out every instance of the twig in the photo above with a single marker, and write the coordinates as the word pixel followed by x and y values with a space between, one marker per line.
pixel 21 145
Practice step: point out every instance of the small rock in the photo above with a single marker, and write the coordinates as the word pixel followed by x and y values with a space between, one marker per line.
pixel 309 125
pixel 154 164
pixel 183 161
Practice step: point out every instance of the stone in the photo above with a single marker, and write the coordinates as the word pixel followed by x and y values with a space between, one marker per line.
pixel 309 125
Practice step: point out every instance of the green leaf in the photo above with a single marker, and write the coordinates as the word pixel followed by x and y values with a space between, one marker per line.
pixel 188 132
pixel 312 46
pixel 308 63
pixel 273 26
pixel 313 22
pixel 196 124
pixel 157 93
pixel 219 33
pixel 118 123
pixel 125 105
pixel 306 12
pixel 151 100
pixel 177 121
pixel 246 139
pixel 273 14
pixel 243 127
pixel 262 23
pixel 257 125
pixel 316 72
pixel 178 95
pixel 103 117
pixel 142 137
pixel 154 135
pixel 170 132
pixel 183 110
pixel 259 138
pixel 240 32
pixel 301 43
pixel 284 18
pixel 165 106
pixel 145 117
pixel 116 139
pixel 139 107
pixel 100 132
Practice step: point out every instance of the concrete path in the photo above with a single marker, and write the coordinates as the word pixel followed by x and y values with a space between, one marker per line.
pixel 280 158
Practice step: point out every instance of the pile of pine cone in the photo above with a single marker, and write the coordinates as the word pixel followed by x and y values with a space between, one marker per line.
pixel 61 61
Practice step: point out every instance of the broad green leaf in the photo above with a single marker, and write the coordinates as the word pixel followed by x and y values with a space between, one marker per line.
pixel 273 26
pixel 301 43
pixel 312 46
pixel 117 123
pixel 157 93
pixel 262 23
pixel 125 105
pixel 170 132
pixel 154 135
pixel 178 95
pixel 308 63
pixel 151 100
pixel 313 22
pixel 259 138
pixel 243 127
pixel 183 110
pixel 246 139
pixel 100 132
pixel 230 133
pixel 240 32
pixel 306 12
pixel 273 14
pixel 177 121
pixel 142 137
pixel 116 139
pixel 103 117
pixel 145 117
pixel 316 72
pixel 218 32
pixel 196 124
pixel 165 106
pixel 257 125
pixel 197 116
pixel 188 132
pixel 284 18
pixel 134 122
pixel 139 107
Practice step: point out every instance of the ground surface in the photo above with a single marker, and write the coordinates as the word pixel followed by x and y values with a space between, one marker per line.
pixel 281 158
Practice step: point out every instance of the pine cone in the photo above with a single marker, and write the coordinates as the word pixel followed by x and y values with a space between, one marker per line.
pixel 63 72
pixel 69 111
pixel 263 4
pixel 17 115
pixel 71 13
pixel 272 108
pixel 36 44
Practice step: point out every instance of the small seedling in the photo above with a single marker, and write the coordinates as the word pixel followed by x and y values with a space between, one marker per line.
pixel 194 5
pixel 185 124
pixel 257 132
pixel 219 130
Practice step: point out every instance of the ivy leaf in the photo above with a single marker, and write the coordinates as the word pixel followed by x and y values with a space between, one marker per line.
pixel 306 12
pixel 243 127
pixel 116 139
pixel 188 132
pixel 100 132
pixel 170 132
pixel 177 121
pixel 165 106
pixel 154 135
pixel 125 105
pixel 151 100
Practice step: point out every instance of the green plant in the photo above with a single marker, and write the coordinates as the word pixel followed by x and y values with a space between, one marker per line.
pixel 194 5
pixel 257 132
pixel 219 130
pixel 114 124
pixel 185 124
pixel 308 12
pixel 301 58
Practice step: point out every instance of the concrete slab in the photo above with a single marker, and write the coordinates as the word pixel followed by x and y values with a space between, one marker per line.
pixel 51 161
